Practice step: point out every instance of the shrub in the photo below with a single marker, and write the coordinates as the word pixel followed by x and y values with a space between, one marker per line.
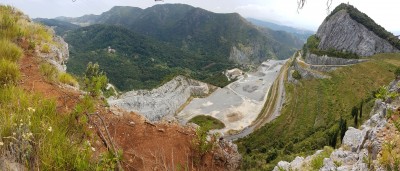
pixel 9 50
pixel 66 78
pixel 95 80
pixel 397 73
pixel 200 143
pixel 49 71
pixel 9 72
pixel 296 75
pixel 318 161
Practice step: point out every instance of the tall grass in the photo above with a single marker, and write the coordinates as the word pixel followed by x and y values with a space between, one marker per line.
pixel 9 72
pixel 66 78
pixel 9 50
pixel 49 71
pixel 28 122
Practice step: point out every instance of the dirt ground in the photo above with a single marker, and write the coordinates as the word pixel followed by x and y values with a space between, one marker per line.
pixel 145 146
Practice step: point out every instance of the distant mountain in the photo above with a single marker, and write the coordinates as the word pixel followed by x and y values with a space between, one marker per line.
pixel 139 62
pixel 348 30
pixel 210 34
pixel 60 27
pixel 302 34
pixel 157 43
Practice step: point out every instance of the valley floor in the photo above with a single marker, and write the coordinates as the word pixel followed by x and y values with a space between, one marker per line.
pixel 238 104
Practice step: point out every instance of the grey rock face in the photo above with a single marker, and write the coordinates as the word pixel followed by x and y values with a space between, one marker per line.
pixel 163 101
pixel 342 33
pixel 354 138
pixel 326 60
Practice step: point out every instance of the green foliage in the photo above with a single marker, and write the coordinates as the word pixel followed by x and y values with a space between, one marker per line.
pixel 318 161
pixel 296 75
pixel 9 50
pixel 397 73
pixel 48 71
pixel 32 130
pixel 109 161
pixel 201 145
pixel 9 72
pixel 208 122
pixel 66 78
pixel 95 80
pixel 314 109
pixel 368 23
pixel 354 114
pixel 383 93
pixel 145 62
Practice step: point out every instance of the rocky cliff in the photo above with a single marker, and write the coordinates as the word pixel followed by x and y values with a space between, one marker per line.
pixel 163 101
pixel 361 148
pixel 341 32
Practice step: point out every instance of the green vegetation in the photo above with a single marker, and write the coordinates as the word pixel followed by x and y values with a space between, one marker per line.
pixel 296 75
pixel 139 62
pixel 32 130
pixel 200 50
pixel 9 73
pixel 49 71
pixel 316 111
pixel 311 46
pixel 369 23
pixel 207 121
pixel 9 50
pixel 318 161
pixel 66 78
pixel 201 145
pixel 95 81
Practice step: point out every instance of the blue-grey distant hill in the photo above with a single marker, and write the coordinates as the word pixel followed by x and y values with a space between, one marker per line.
pixel 302 34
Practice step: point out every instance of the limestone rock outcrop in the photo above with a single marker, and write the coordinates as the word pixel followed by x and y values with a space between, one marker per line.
pixel 162 102
pixel 341 32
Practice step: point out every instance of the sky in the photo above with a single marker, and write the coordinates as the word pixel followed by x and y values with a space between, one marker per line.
pixel 284 12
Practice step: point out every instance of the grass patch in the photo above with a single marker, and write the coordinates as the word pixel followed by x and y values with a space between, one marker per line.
pixel 9 50
pixel 312 111
pixel 66 78
pixel 9 72
pixel 37 136
pixel 48 71
pixel 207 121
pixel 45 48
pixel 318 161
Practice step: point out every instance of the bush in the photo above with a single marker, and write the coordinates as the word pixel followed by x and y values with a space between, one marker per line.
pixel 296 75
pixel 318 161
pixel 397 73
pixel 49 71
pixel 66 78
pixel 95 80
pixel 9 50
pixel 9 72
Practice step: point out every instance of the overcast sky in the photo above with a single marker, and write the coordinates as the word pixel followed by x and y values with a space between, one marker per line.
pixel 384 12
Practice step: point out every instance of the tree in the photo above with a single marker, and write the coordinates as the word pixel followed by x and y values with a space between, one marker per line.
pixel 343 128
pixel 95 80
pixel 354 113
